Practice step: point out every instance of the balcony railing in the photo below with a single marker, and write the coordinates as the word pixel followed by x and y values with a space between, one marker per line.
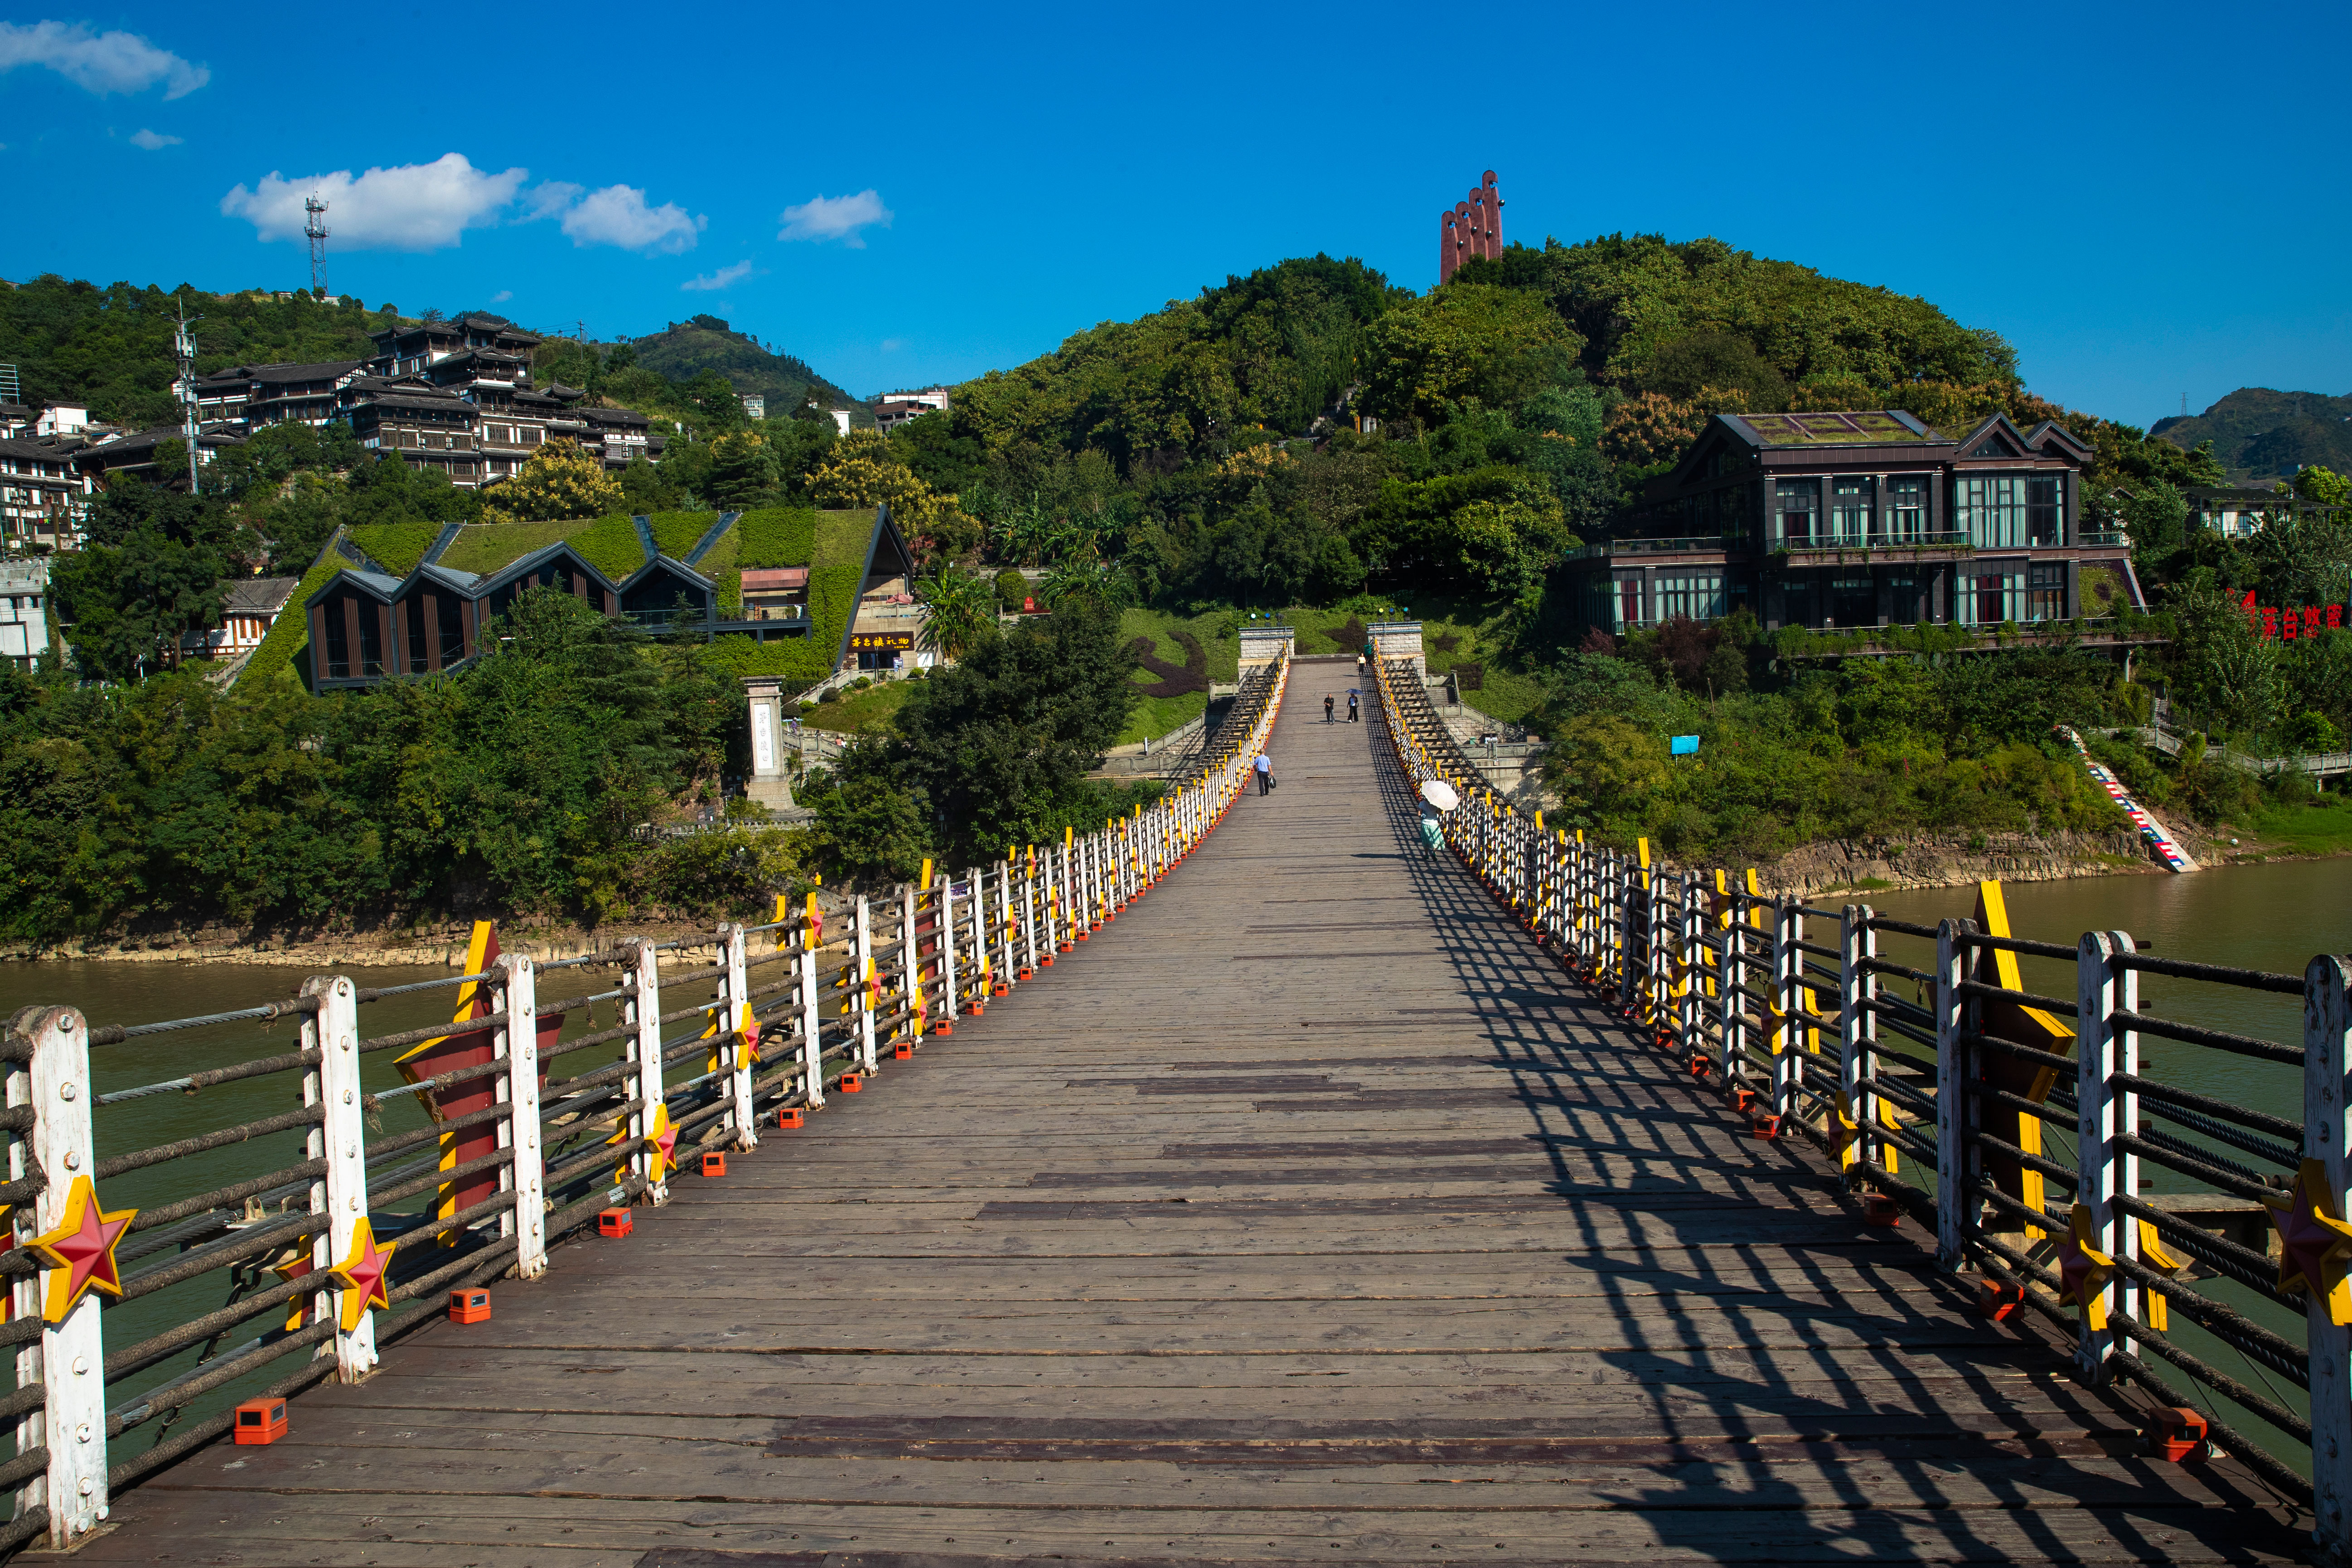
pixel 1699 544
pixel 1823 544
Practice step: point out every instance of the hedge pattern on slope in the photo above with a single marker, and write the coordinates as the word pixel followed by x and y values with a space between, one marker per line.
pixel 1175 679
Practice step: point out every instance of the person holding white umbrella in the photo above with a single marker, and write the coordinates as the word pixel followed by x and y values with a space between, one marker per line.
pixel 1437 795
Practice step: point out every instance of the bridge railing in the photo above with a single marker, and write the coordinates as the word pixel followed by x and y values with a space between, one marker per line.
pixel 2021 1127
pixel 718 1042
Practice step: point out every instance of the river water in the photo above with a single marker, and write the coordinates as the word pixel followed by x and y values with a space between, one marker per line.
pixel 2262 917
pixel 137 993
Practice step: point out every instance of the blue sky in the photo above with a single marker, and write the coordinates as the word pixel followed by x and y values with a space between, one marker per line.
pixel 2148 201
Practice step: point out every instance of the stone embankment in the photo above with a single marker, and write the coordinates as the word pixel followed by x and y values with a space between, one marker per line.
pixel 1955 859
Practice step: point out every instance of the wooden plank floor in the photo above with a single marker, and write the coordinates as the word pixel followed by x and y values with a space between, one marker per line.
pixel 1304 1214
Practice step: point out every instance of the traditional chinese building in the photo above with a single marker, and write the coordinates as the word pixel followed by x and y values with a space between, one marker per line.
pixel 1866 519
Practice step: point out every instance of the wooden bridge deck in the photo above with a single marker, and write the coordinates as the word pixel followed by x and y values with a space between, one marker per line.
pixel 1304 1215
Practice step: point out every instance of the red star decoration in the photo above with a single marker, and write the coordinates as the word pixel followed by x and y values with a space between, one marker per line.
pixel 661 1141
pixel 2313 1244
pixel 2086 1270
pixel 362 1274
pixel 79 1252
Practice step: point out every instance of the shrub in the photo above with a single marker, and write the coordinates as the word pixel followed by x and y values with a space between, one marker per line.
pixel 830 694
pixel 1012 588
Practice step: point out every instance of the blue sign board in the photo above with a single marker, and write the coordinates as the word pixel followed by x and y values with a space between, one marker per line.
pixel 1685 745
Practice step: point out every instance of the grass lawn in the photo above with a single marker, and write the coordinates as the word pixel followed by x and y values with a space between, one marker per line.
pixel 2323 826
pixel 858 712
pixel 487 546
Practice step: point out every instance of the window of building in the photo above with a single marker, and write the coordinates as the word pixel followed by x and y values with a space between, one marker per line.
pixel 1851 496
pixel 1907 507
pixel 1698 595
pixel 1853 601
pixel 1989 598
pixel 1798 502
pixel 1989 508
pixel 1907 598
pixel 2045 592
pixel 1629 607
pixel 2044 524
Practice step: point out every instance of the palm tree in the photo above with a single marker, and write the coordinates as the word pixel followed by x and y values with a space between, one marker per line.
pixel 959 608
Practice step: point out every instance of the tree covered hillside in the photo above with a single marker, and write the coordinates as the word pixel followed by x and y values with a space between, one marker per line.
pixel 684 350
pixel 110 348
pixel 2261 436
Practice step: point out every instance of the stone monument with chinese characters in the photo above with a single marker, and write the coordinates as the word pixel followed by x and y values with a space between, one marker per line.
pixel 771 785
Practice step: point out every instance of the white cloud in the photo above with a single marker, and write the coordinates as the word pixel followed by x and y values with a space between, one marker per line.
pixel 618 216
pixel 720 279
pixel 549 198
pixel 101 62
pixel 153 141
pixel 502 296
pixel 411 207
pixel 892 345
pixel 835 217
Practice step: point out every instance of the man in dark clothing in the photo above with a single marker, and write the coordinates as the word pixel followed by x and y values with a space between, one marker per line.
pixel 1327 708
pixel 1352 718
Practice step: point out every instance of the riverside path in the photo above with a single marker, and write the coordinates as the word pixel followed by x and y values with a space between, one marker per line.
pixel 1310 1213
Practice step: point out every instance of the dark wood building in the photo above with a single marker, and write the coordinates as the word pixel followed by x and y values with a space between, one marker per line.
pixel 425 427
pixel 1865 519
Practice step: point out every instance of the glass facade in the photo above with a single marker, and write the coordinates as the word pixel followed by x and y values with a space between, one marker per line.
pixel 1990 508
pixel 1851 496
pixel 1907 507
pixel 1797 507
pixel 1698 595
pixel 1853 601
pixel 1989 598
pixel 2045 592
pixel 2044 515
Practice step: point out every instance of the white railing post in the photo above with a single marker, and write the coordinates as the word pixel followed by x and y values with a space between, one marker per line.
pixel 340 1193
pixel 643 1005
pixel 862 976
pixel 1858 1035
pixel 812 1022
pixel 1788 988
pixel 69 1358
pixel 1952 1097
pixel 2327 1138
pixel 950 1004
pixel 2102 989
pixel 514 993
pixel 733 1053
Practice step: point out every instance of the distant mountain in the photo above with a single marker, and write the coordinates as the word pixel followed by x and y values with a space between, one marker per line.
pixel 685 349
pixel 2260 434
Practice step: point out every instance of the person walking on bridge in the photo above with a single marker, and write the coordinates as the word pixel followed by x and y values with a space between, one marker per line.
pixel 1327 708
pixel 1264 767
pixel 1352 716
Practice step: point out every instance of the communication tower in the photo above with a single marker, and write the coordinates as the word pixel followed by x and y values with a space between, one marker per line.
pixel 184 348
pixel 314 227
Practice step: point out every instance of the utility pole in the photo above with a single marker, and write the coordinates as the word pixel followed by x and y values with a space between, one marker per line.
pixel 314 227
pixel 183 346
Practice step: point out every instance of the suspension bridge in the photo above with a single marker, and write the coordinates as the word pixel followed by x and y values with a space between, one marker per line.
pixel 1242 1184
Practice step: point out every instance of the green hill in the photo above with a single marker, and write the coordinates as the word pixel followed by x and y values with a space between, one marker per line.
pixel 2260 434
pixel 684 350
pixel 110 348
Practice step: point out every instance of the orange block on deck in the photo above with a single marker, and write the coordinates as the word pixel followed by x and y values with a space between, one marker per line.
pixel 714 1162
pixel 469 1306
pixel 260 1421
pixel 1879 1210
pixel 2174 1433
pixel 851 1083
pixel 789 1118
pixel 903 1051
pixel 614 1223
pixel 942 1027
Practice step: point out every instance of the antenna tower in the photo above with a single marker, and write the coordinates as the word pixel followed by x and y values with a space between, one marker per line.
pixel 184 348
pixel 314 227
